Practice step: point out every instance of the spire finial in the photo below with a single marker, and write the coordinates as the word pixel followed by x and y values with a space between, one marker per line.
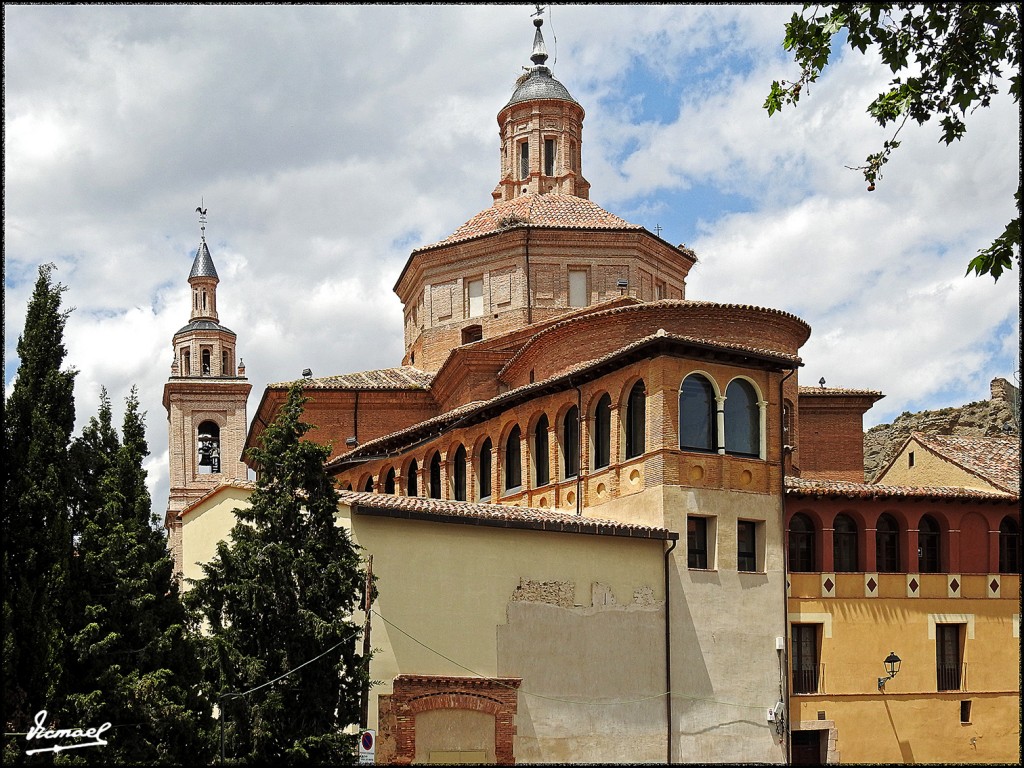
pixel 540 52
pixel 201 210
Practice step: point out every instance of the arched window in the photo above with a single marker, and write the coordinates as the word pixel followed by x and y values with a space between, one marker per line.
pixel 801 544
pixel 571 442
pixel 742 420
pixel 636 421
pixel 435 476
pixel 412 487
pixel 389 482
pixel 887 544
pixel 928 539
pixel 1009 546
pixel 513 460
pixel 603 432
pixel 484 469
pixel 459 479
pixel 208 448
pixel 540 452
pixel 368 488
pixel 206 362
pixel 844 544
pixel 698 426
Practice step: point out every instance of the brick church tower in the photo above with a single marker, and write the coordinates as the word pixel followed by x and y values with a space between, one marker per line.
pixel 205 398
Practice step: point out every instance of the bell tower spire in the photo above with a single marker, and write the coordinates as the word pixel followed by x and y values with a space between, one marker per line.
pixel 203 278
pixel 541 133
pixel 205 398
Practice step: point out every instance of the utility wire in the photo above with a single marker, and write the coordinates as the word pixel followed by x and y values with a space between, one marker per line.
pixel 555 698
pixel 293 671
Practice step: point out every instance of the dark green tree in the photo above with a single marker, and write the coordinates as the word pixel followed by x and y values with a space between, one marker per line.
pixel 278 603
pixel 39 417
pixel 947 60
pixel 132 654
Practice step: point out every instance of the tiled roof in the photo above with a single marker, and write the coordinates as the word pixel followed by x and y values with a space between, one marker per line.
pixel 548 210
pixel 799 486
pixel 495 515
pixel 203 264
pixel 404 377
pixel 805 391
pixel 646 306
pixel 371 448
pixel 994 459
pixel 204 325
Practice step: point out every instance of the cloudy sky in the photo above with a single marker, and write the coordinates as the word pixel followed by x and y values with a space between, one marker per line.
pixel 328 142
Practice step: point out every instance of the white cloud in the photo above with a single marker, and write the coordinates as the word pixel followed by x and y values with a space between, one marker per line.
pixel 329 141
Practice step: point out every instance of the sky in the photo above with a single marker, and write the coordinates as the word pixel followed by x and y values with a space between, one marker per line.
pixel 328 142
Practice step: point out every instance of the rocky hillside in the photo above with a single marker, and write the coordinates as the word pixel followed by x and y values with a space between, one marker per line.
pixel 998 417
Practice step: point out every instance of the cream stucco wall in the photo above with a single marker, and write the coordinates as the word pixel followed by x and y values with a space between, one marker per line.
pixel 726 671
pixel 929 470
pixel 209 522
pixel 581 620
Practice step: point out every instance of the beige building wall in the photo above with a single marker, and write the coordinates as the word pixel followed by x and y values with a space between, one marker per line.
pixel 204 525
pixel 927 469
pixel 579 618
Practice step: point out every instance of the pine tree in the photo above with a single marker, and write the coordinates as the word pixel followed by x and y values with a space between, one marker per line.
pixel 37 543
pixel 278 601
pixel 133 660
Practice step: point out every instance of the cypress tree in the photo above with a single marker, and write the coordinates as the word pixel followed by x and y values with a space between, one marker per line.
pixel 37 543
pixel 133 658
pixel 278 600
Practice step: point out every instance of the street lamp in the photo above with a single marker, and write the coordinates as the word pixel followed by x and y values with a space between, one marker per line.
pixel 892 666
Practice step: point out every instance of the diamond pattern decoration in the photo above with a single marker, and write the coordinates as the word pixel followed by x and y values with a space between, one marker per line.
pixel 829 586
pixel 994 586
pixel 872 585
pixel 954 585
pixel 913 585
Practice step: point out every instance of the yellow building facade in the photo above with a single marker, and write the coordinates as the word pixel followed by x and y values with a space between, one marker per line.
pixel 952 620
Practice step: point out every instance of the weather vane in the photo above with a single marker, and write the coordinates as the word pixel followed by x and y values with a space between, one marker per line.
pixel 540 9
pixel 201 210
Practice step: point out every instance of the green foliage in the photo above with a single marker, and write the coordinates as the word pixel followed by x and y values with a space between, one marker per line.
pixel 278 602
pixel 93 629
pixel 37 543
pixel 132 656
pixel 946 58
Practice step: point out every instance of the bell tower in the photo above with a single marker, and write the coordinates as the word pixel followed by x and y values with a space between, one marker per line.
pixel 205 398
pixel 541 131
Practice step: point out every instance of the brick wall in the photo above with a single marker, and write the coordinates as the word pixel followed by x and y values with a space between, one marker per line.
pixel 413 694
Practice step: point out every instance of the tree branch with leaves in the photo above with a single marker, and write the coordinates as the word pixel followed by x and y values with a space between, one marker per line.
pixel 948 60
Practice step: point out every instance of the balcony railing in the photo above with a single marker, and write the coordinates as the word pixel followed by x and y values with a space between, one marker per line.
pixel 805 680
pixel 948 674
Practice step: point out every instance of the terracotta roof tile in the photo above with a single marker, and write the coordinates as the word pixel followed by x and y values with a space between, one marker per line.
pixel 495 515
pixel 799 486
pixel 808 391
pixel 371 447
pixel 994 459
pixel 404 377
pixel 548 210
pixel 635 307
